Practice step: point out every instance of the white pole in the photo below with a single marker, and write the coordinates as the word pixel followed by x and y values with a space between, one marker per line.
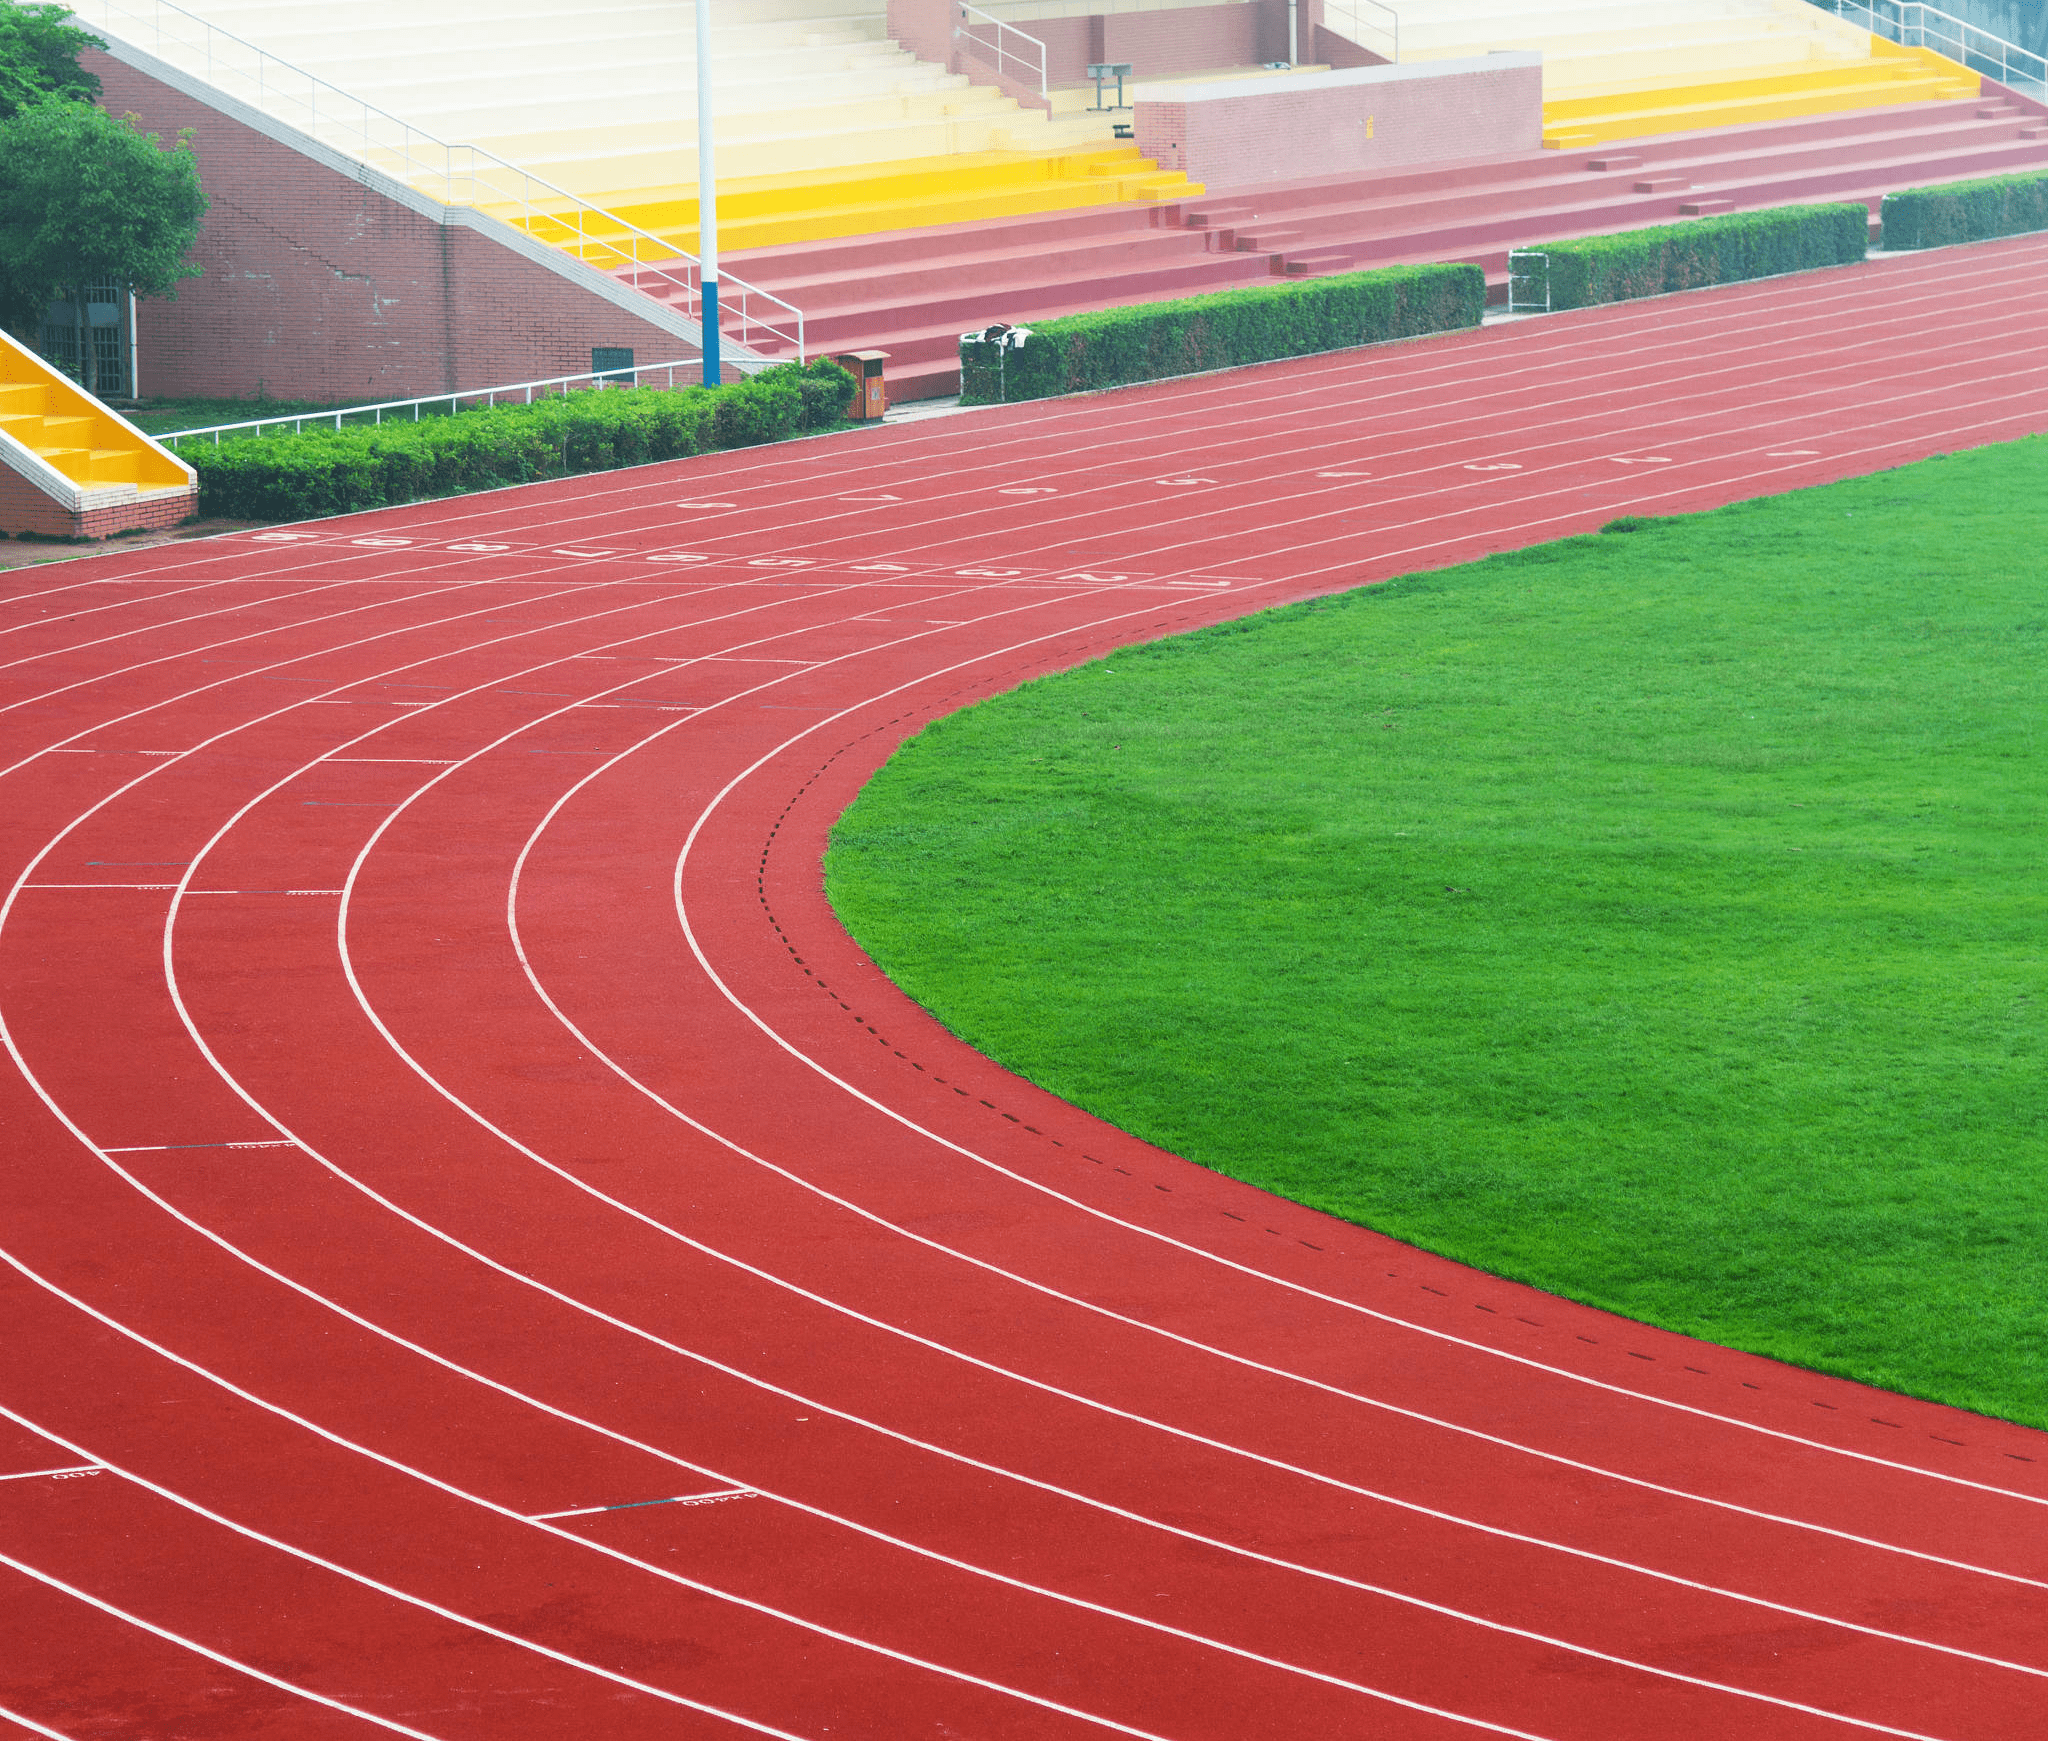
pixel 707 196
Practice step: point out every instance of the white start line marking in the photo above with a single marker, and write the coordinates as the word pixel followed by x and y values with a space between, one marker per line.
pixel 707 504
pixel 1178 483
pixel 1029 490
pixel 1796 453
pixel 1503 466
pixel 1644 459
pixel 1343 474
pixel 871 498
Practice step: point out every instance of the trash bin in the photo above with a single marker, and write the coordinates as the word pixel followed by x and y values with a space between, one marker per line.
pixel 870 391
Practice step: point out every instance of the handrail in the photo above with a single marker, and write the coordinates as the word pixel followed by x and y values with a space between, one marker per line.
pixel 1359 26
pixel 454 174
pixel 962 28
pixel 299 419
pixel 1914 24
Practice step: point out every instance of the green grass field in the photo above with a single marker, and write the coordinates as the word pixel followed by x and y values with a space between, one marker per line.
pixel 1659 917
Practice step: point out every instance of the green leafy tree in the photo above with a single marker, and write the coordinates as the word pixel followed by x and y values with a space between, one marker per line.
pixel 86 198
pixel 39 57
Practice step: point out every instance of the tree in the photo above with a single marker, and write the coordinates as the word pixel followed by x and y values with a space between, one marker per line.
pixel 85 198
pixel 39 57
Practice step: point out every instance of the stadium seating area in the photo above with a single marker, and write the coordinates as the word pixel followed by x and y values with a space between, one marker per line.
pixel 913 292
pixel 824 126
pixel 897 202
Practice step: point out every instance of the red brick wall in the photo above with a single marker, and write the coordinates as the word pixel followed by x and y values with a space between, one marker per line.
pixel 24 508
pixel 1339 123
pixel 317 287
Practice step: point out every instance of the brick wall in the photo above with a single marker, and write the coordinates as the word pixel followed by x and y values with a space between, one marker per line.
pixel 1379 117
pixel 318 286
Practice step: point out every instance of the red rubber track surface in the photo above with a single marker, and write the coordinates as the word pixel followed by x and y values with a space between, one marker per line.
pixel 486 1256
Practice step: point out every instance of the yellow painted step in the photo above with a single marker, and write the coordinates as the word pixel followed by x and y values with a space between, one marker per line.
pixel 47 413
pixel 773 211
pixel 1578 122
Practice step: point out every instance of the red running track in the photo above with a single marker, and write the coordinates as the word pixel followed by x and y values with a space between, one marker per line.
pixel 485 1255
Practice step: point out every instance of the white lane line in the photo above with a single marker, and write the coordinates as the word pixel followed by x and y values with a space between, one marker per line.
pixel 642 1504
pixel 197 1649
pixel 68 1469
pixel 312 589
pixel 30 1724
pixel 614 1676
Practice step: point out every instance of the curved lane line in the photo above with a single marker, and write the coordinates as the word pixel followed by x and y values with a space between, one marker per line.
pixel 189 1644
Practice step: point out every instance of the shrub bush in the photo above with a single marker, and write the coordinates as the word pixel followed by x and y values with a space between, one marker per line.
pixel 1721 250
pixel 1152 341
pixel 1965 211
pixel 330 471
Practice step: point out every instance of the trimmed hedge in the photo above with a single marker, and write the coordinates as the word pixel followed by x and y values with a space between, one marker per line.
pixel 1721 250
pixel 329 471
pixel 1965 211
pixel 1152 341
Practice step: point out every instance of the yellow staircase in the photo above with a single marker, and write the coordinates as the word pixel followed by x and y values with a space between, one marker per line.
pixel 774 210
pixel 1891 75
pixel 57 427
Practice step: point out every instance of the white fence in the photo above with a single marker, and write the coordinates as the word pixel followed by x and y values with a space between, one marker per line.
pixel 559 384
pixel 1013 54
pixel 1913 24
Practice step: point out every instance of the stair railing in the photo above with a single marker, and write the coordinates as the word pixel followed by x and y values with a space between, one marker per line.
pixel 1372 26
pixel 459 175
pixel 1914 24
pixel 1002 46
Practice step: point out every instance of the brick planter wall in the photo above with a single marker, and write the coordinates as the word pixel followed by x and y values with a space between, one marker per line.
pixel 24 508
pixel 1229 133
pixel 320 285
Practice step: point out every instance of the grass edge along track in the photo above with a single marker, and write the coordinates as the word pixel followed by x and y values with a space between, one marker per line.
pixel 1655 916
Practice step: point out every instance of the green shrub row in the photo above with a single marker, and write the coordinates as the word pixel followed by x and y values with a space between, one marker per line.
pixel 1965 211
pixel 1152 341
pixel 1720 250
pixel 329 471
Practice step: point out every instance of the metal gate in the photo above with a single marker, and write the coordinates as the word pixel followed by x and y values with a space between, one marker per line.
pixel 108 329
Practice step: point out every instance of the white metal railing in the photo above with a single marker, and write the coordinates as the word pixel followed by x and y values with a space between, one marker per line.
pixel 1913 24
pixel 298 420
pixel 456 175
pixel 1373 27
pixel 1528 273
pixel 1002 46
